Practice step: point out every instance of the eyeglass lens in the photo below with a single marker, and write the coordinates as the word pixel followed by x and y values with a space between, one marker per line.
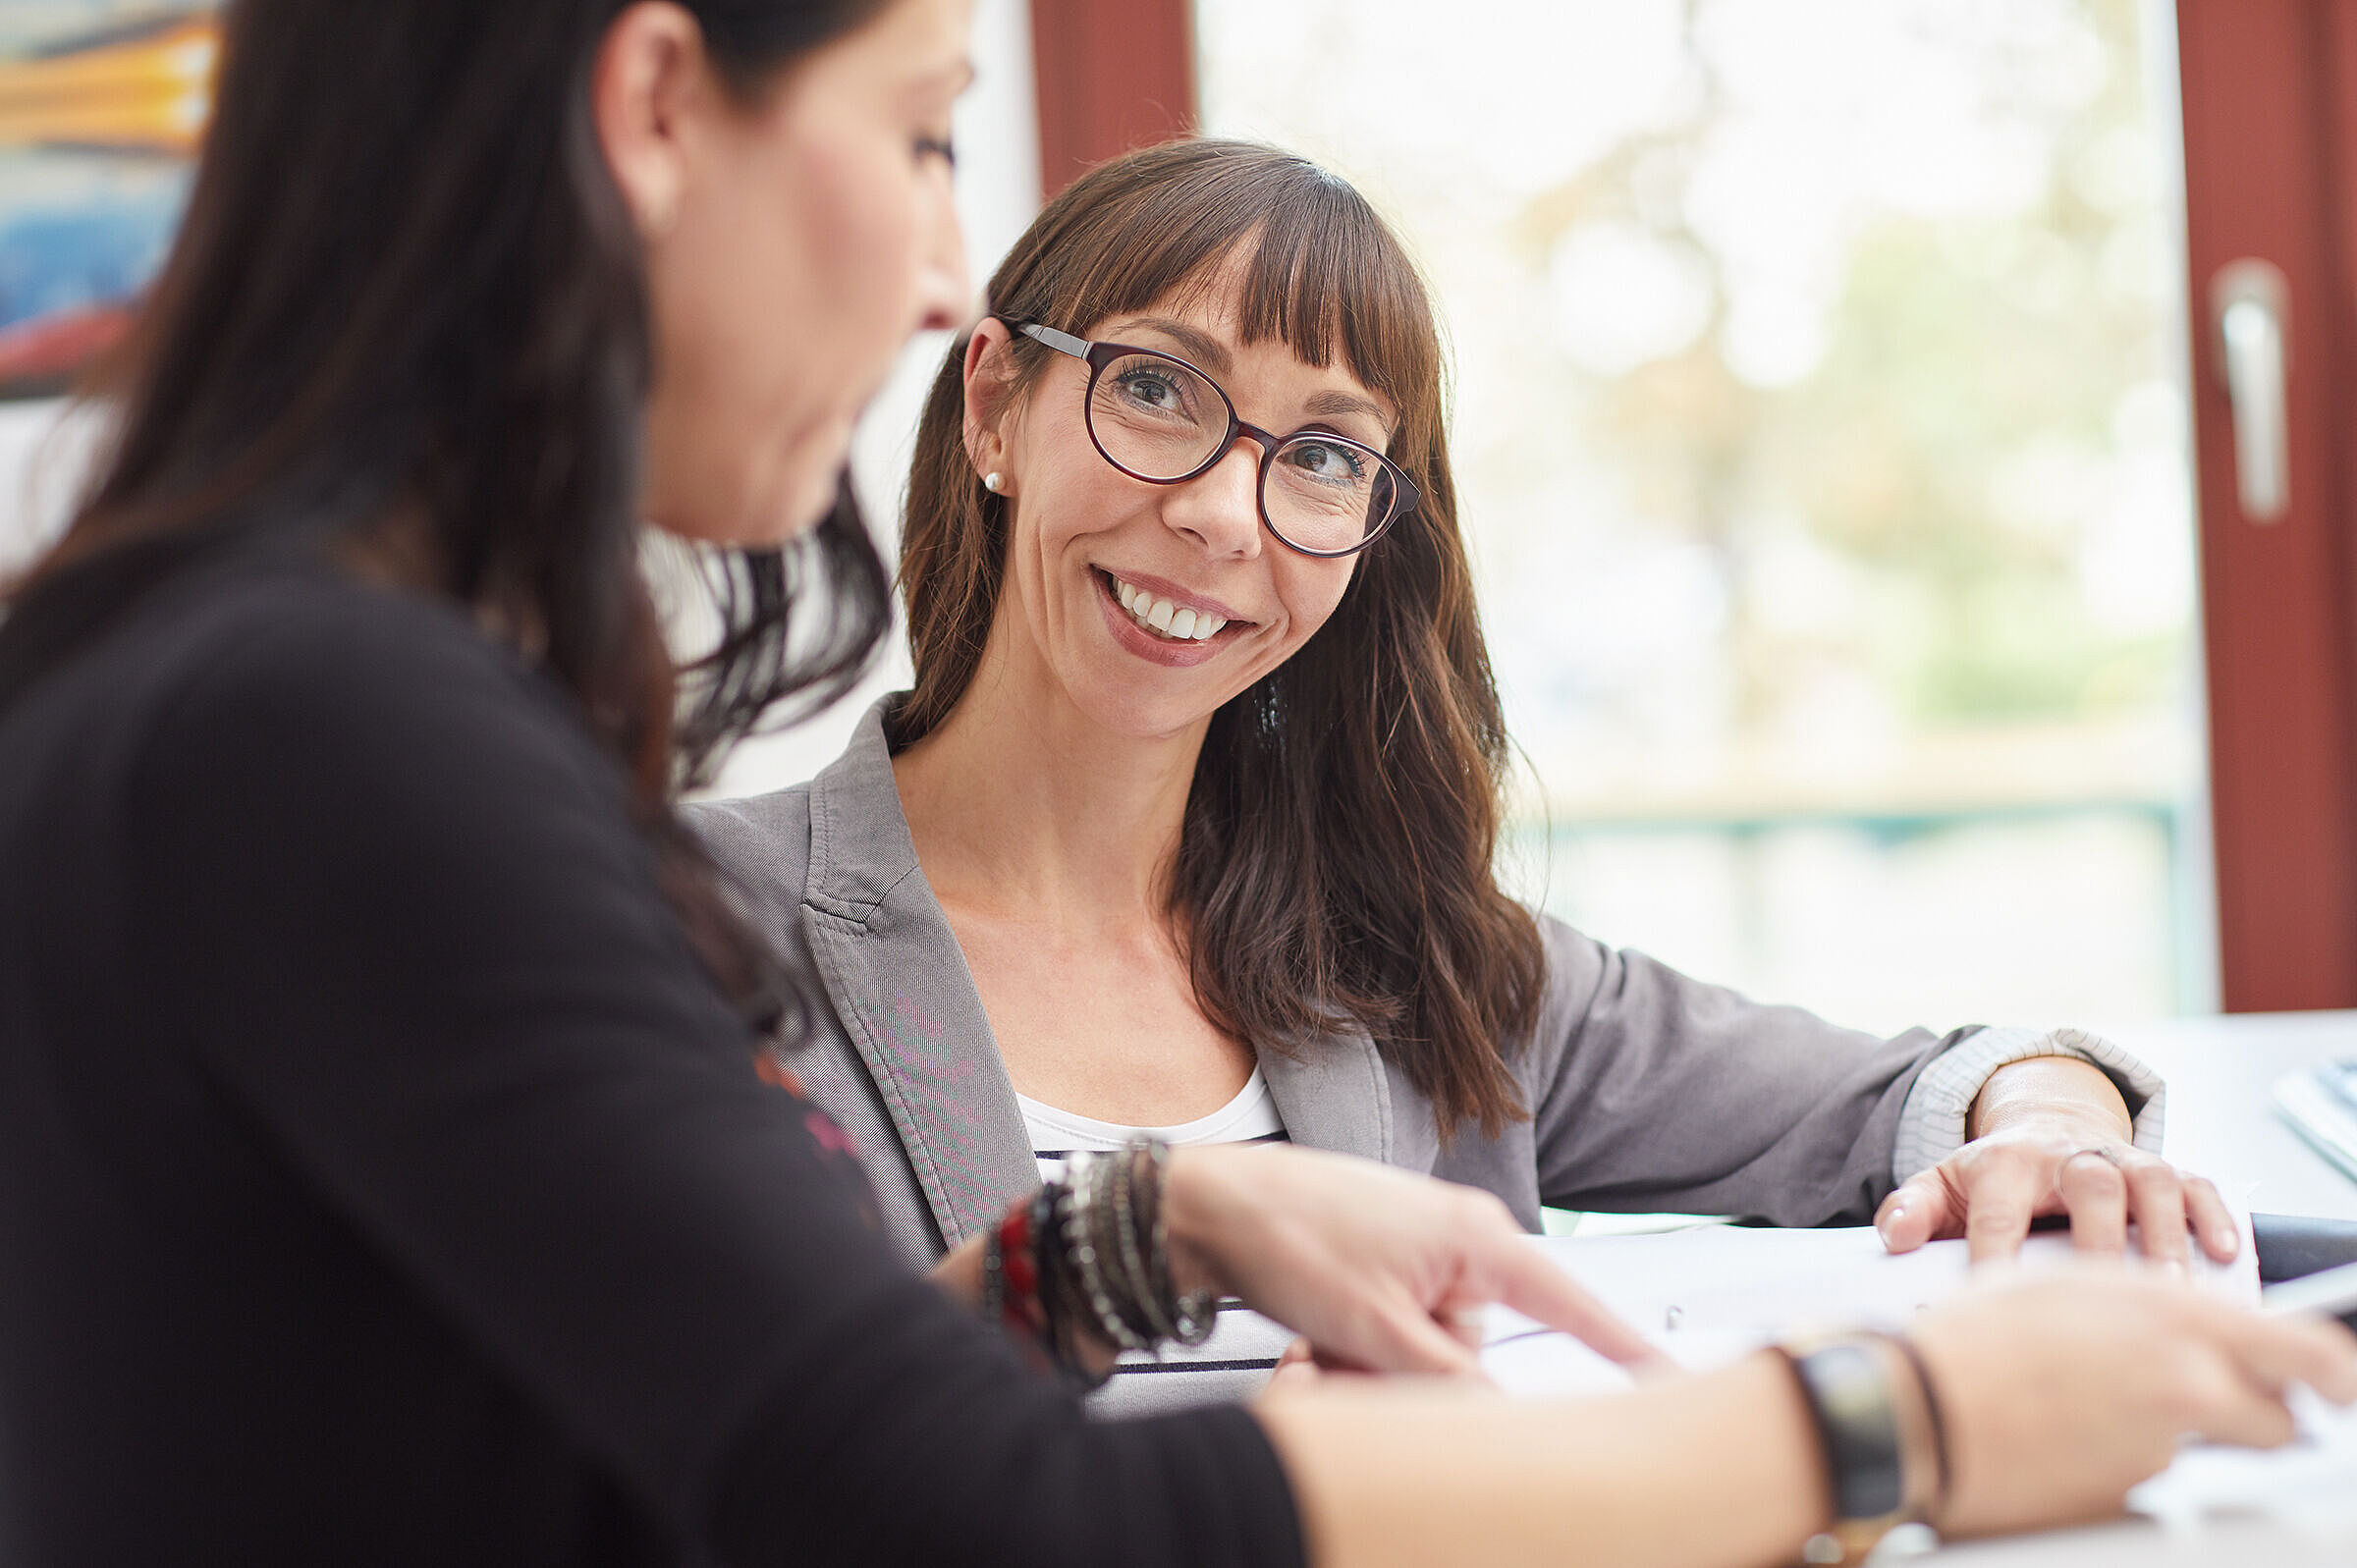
pixel 1161 420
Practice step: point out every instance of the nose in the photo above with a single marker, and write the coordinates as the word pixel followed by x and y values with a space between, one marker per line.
pixel 942 298
pixel 1220 507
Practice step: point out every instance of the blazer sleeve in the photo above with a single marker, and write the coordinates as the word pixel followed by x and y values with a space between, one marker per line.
pixel 1656 1092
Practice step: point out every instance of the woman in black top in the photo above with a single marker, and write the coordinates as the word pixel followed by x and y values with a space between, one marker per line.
pixel 384 1173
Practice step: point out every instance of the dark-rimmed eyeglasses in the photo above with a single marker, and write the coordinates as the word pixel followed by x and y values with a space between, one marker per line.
pixel 1158 419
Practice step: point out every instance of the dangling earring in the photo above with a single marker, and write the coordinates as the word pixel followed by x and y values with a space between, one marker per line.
pixel 994 484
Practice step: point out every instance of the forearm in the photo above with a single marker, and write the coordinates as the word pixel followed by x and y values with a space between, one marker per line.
pixel 1721 1469
pixel 2050 1086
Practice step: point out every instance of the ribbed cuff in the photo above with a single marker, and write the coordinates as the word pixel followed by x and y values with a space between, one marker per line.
pixel 1930 1126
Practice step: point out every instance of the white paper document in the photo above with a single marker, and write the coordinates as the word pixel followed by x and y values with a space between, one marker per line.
pixel 1710 1295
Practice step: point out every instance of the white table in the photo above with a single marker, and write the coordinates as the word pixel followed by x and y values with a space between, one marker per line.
pixel 2220 1072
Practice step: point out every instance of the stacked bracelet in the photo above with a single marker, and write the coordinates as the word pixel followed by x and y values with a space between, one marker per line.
pixel 1127 1211
pixel 1082 1218
pixel 1192 1318
pixel 1090 1254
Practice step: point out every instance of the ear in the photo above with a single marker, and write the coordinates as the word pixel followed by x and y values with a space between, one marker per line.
pixel 989 394
pixel 650 71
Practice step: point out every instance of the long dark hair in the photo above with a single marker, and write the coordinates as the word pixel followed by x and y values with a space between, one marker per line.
pixel 1334 862
pixel 407 285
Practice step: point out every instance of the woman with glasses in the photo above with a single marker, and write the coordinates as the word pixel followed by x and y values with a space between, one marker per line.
pixel 1187 824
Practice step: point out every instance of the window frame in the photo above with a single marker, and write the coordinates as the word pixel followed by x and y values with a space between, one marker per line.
pixel 2269 147
pixel 1110 76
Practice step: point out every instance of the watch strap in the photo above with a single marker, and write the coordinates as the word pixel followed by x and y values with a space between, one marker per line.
pixel 1848 1395
pixel 1847 1384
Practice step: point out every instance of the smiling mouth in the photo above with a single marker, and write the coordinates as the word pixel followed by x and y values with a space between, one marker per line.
pixel 1162 619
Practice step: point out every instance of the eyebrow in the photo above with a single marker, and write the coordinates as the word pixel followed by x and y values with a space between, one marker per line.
pixel 1200 345
pixel 1339 405
pixel 1212 355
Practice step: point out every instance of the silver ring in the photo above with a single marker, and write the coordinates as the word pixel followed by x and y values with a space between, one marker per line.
pixel 2103 1153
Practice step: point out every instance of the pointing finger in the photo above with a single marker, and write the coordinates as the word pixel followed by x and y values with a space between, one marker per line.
pixel 1532 1284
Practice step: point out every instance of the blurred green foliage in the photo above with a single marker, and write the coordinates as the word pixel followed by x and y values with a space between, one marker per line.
pixel 1959 347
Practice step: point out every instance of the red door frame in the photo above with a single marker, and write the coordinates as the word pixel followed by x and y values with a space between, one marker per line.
pixel 1111 74
pixel 2265 91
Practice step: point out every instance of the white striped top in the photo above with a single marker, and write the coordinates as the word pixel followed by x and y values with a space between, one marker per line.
pixel 1237 1359
pixel 1056 1135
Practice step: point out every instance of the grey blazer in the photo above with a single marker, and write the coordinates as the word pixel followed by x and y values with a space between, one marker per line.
pixel 1648 1090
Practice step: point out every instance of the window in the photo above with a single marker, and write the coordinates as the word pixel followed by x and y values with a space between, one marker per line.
pixel 1822 427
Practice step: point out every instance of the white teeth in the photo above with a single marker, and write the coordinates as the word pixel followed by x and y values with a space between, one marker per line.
pixel 1180 624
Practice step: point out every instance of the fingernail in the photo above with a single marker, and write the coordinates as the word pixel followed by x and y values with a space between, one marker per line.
pixel 1890 1221
pixel 2226 1239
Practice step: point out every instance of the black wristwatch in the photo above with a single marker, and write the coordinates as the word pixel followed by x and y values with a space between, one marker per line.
pixel 1847 1384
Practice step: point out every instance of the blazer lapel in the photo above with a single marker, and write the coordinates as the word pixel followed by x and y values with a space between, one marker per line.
pixel 900 982
pixel 1333 1094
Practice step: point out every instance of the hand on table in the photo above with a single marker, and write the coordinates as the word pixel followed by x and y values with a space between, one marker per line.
pixel 2062 1392
pixel 1376 1267
pixel 2053 1138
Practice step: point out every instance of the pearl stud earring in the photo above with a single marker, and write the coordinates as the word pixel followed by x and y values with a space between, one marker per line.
pixel 994 484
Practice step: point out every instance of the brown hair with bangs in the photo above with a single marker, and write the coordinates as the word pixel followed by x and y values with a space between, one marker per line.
pixel 1333 866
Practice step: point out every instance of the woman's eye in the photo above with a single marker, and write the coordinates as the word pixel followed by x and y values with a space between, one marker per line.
pixel 937 148
pixel 1151 390
pixel 1322 459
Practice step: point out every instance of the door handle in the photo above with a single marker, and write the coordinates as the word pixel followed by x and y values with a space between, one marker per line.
pixel 2250 300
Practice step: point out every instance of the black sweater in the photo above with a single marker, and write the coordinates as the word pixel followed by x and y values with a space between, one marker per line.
pixel 383 1182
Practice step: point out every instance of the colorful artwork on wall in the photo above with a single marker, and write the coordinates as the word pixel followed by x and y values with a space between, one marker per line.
pixel 102 103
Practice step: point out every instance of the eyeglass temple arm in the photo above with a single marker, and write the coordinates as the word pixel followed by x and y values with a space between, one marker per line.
pixel 1060 342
